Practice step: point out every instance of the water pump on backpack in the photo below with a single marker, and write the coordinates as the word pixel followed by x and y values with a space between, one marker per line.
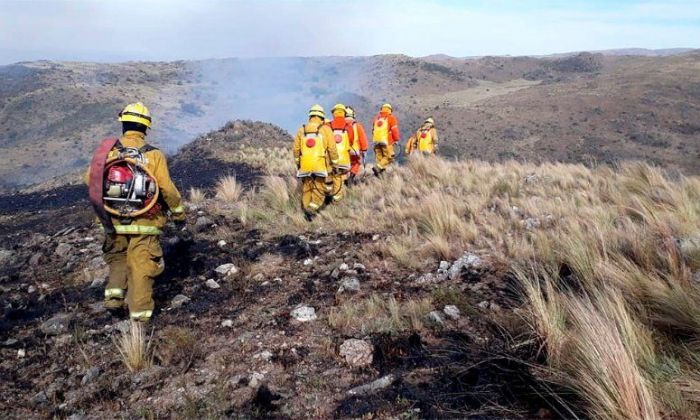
pixel 130 190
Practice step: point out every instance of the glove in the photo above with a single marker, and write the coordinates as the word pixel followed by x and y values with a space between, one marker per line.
pixel 178 217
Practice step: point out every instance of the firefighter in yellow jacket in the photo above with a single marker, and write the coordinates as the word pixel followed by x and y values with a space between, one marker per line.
pixel 316 157
pixel 425 140
pixel 343 137
pixel 132 248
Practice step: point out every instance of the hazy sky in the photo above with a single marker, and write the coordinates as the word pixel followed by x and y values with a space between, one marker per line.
pixel 118 30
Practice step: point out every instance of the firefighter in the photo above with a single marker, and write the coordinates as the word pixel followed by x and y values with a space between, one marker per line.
pixel 385 134
pixel 316 157
pixel 358 148
pixel 425 140
pixel 132 248
pixel 343 137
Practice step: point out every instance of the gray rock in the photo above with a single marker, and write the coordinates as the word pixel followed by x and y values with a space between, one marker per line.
pixel 221 243
pixel 308 261
pixel 266 355
pixel 359 267
pixel 483 304
pixel 335 274
pixel 203 223
pixel 466 262
pixel 227 323
pixel 304 314
pixel 178 301
pixel 357 353
pixel 212 284
pixel 255 380
pixel 122 326
pixel 226 270
pixel 90 375
pixel 21 353
pixel 63 250
pixel 39 399
pixel 349 284
pixel 452 312
pixel 431 278
pixel 444 266
pixel 35 259
pixel 56 325
pixel 531 223
pixel 343 267
pixel 434 319
pixel 379 384
pixel 6 257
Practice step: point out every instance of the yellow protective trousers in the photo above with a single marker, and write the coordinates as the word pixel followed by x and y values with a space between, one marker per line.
pixel 384 154
pixel 134 262
pixel 338 190
pixel 313 193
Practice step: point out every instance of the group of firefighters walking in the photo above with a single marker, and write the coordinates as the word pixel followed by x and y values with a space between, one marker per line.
pixel 329 154
pixel 133 194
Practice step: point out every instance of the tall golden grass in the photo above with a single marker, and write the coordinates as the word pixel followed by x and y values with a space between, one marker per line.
pixel 605 258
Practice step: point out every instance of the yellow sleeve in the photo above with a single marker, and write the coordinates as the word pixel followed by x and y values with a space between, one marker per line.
pixel 296 148
pixel 434 135
pixel 168 190
pixel 331 148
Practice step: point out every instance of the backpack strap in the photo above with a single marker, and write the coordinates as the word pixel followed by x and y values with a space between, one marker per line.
pixel 147 148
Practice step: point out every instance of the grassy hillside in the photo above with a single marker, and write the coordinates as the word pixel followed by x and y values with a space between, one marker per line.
pixel 445 289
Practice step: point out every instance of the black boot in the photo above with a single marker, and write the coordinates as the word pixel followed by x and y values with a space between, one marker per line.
pixel 309 216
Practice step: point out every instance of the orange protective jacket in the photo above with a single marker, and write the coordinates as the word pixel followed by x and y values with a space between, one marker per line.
pixel 393 126
pixel 361 143
pixel 340 123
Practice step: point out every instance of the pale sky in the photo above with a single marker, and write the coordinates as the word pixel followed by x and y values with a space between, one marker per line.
pixel 121 30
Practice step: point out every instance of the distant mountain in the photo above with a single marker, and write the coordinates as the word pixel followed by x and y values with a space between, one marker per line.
pixel 575 108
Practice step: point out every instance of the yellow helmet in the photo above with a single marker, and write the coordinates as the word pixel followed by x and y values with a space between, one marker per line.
pixel 430 120
pixel 387 107
pixel 339 107
pixel 350 112
pixel 136 112
pixel 317 111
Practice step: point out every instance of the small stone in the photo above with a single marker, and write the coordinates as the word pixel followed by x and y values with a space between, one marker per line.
pixel 277 280
pixel 259 277
pixel 255 379
pixel 381 383
pixel 227 323
pixel 266 355
pixel 304 314
pixel 494 306
pixel 444 266
pixel 335 274
pixel 203 223
pixel 349 284
pixel 178 301
pixel 343 267
pixel 10 342
pixel 221 243
pixel 90 375
pixel 308 261
pixel 375 237
pixel 212 284
pixel 39 399
pixel 31 289
pixel 56 325
pixel 467 261
pixel 35 259
pixel 452 312
pixel 122 326
pixel 531 223
pixel 483 304
pixel 226 270
pixel 21 353
pixel 434 319
pixel 357 353
pixel 6 257
pixel 359 267
pixel 63 250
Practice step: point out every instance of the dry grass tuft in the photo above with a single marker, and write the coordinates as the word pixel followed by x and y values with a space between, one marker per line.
pixel 197 196
pixel 228 189
pixel 376 314
pixel 134 348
